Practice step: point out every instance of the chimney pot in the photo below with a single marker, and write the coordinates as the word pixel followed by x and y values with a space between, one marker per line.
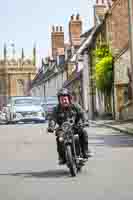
pixel 56 28
pixel 72 17
pixel 77 17
pixel 61 29
pixel 53 28
pixel 100 1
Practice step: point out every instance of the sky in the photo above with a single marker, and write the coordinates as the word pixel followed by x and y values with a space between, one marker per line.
pixel 25 22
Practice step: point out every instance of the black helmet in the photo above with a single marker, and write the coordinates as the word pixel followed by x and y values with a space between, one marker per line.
pixel 64 92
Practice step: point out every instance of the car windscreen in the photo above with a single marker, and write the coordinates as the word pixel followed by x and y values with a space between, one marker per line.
pixel 27 102
pixel 51 101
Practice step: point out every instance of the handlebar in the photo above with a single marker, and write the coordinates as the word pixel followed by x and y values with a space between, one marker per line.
pixel 79 125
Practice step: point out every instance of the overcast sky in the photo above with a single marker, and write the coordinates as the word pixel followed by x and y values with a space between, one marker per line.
pixel 24 22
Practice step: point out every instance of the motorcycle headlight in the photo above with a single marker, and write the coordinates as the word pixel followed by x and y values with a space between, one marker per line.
pixel 61 139
pixel 66 126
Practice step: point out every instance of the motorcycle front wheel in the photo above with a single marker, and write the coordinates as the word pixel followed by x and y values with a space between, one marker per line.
pixel 70 162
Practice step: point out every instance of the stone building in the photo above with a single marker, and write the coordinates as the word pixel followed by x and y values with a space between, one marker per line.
pixel 117 35
pixel 16 75
pixel 115 31
pixel 81 68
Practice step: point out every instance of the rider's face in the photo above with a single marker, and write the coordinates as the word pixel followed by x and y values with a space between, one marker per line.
pixel 64 101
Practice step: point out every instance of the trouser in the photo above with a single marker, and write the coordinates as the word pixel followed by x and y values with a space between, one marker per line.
pixel 60 149
pixel 83 139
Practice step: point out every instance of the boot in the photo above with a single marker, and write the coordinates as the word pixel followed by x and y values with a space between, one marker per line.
pixel 60 153
pixel 61 160
pixel 86 151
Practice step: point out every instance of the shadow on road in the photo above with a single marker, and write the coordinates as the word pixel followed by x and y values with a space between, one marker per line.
pixel 42 174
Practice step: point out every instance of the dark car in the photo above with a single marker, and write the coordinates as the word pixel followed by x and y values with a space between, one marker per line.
pixel 50 102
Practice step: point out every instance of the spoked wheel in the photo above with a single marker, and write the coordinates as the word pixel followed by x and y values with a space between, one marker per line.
pixel 70 161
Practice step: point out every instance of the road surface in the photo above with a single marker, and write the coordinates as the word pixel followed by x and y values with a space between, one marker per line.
pixel 29 167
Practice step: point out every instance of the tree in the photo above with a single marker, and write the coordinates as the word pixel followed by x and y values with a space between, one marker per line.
pixel 104 73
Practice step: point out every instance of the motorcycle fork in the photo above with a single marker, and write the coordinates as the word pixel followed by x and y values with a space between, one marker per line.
pixel 77 145
pixel 70 141
pixel 74 148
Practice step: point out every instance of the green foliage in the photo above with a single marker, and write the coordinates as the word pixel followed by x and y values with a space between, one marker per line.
pixel 102 51
pixel 104 69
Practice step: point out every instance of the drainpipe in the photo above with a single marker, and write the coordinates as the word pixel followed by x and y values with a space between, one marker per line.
pixel 130 15
pixel 87 94
pixel 113 90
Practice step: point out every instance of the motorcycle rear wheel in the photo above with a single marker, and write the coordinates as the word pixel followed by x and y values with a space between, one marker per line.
pixel 70 162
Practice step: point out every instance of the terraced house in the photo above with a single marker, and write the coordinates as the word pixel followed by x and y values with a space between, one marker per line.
pixel 53 72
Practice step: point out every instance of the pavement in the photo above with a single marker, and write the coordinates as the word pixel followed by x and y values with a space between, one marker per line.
pixel 122 126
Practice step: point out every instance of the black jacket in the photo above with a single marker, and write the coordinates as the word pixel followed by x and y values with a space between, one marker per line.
pixel 59 115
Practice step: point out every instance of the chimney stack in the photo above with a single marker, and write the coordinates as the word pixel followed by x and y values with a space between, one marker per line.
pixel 75 30
pixel 100 9
pixel 57 40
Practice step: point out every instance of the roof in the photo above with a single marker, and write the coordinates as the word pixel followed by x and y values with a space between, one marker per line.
pixel 87 33
pixel 43 76
pixel 68 82
pixel 86 44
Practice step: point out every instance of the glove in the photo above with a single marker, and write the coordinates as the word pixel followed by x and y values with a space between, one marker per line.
pixel 86 124
pixel 50 130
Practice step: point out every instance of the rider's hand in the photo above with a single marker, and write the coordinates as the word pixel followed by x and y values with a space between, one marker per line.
pixel 86 124
pixel 50 130
pixel 83 124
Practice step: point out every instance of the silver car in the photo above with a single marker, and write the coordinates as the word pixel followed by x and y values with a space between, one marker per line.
pixel 25 109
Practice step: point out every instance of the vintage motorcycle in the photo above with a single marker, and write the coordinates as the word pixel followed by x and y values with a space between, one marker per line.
pixel 70 144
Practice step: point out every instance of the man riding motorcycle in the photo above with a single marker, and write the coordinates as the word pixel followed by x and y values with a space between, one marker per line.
pixel 61 112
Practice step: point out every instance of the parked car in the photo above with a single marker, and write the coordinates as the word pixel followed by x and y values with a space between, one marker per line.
pixel 3 115
pixel 50 102
pixel 25 109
